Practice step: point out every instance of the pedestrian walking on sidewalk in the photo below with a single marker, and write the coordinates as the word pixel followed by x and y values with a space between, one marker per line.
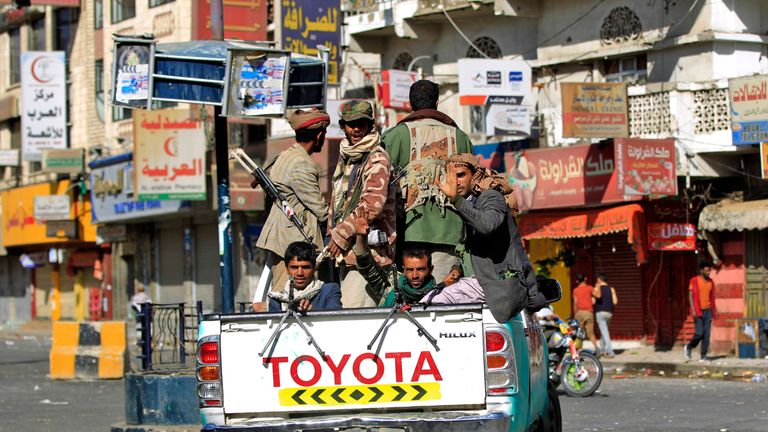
pixel 701 295
pixel 583 308
pixel 605 302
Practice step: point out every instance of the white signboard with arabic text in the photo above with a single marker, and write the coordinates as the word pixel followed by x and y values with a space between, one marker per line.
pixel 43 103
pixel 52 207
pixel 169 156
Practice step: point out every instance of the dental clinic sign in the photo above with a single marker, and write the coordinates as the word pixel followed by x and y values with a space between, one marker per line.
pixel 43 103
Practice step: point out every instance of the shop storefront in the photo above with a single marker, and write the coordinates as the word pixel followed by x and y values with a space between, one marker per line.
pixel 136 232
pixel 48 226
pixel 737 233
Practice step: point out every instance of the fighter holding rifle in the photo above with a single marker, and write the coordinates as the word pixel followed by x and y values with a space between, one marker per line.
pixel 295 190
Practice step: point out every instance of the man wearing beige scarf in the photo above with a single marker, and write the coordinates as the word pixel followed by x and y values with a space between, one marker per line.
pixel 361 186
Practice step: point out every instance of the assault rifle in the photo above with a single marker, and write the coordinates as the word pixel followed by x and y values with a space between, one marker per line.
pixel 269 188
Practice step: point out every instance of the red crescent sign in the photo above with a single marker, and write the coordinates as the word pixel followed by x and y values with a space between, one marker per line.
pixel 34 75
pixel 166 147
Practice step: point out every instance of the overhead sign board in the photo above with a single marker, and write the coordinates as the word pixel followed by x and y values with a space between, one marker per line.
pixel 507 120
pixel 480 79
pixel 749 109
pixel 646 167
pixel 256 83
pixel 309 23
pixel 63 161
pixel 112 196
pixel 595 110
pixel 43 103
pixel 668 236
pixel 52 207
pixel 396 88
pixel 131 72
pixel 169 156
pixel 9 157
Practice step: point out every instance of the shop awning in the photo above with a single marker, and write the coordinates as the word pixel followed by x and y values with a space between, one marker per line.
pixel 587 223
pixel 734 216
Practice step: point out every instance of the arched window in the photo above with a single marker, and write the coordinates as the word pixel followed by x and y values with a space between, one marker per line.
pixel 487 46
pixel 621 25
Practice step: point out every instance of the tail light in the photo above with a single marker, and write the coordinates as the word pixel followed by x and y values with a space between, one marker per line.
pixel 209 372
pixel 501 372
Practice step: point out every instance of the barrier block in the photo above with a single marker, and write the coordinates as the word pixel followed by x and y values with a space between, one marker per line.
pixel 88 350
pixel 114 353
pixel 63 349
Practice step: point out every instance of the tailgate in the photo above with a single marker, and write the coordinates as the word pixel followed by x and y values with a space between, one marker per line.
pixel 401 370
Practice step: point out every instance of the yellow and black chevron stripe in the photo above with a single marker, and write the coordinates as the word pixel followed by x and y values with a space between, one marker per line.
pixel 359 395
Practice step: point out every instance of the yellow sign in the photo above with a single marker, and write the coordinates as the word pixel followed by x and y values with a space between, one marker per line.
pixel 360 395
pixel 595 110
pixel 20 227
pixel 764 160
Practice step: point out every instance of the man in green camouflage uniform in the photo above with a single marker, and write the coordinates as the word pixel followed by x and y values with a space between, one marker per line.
pixel 420 144
pixel 360 187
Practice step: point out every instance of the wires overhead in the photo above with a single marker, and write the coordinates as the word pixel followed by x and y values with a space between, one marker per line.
pixel 461 33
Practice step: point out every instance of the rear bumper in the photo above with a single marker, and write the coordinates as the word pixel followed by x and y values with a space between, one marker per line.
pixel 484 421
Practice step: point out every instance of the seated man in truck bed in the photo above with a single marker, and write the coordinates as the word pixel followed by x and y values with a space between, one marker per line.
pixel 494 250
pixel 415 281
pixel 309 292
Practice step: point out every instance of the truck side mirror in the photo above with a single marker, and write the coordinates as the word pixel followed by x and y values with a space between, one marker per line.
pixel 550 289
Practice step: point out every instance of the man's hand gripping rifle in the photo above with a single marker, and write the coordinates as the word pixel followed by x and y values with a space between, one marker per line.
pixel 292 310
pixel 269 188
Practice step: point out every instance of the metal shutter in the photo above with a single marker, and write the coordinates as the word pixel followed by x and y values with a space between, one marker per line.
pixel 207 266
pixel 171 265
pixel 623 273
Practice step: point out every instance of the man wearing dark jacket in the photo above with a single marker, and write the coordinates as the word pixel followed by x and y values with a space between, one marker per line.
pixel 419 145
pixel 498 260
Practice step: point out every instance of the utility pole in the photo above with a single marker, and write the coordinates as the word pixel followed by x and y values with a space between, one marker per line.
pixel 221 137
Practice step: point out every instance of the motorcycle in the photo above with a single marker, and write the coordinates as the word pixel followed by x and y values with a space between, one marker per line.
pixel 579 371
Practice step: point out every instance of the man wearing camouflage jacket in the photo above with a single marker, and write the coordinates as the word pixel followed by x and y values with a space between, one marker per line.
pixel 361 186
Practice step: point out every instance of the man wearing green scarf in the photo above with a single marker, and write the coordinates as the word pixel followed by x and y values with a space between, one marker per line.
pixel 415 281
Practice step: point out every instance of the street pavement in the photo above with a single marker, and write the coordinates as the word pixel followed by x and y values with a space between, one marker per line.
pixel 669 404
pixel 30 402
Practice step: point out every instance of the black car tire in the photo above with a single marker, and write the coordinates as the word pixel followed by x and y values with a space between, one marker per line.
pixel 552 420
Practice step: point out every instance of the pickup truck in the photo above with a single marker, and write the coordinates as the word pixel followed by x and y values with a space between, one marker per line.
pixel 475 374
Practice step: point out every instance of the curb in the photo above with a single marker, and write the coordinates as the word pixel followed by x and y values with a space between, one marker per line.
pixel 123 427
pixel 683 368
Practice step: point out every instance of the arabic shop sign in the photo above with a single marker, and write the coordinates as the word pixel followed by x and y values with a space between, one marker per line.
pixel 507 120
pixel 112 196
pixel 9 157
pixel 309 23
pixel 243 19
pixel 52 208
pixel 397 88
pixel 169 155
pixel 667 236
pixel 595 110
pixel 43 103
pixel 749 109
pixel 63 161
pixel 481 79
pixel 764 160
pixel 562 177
pixel 646 167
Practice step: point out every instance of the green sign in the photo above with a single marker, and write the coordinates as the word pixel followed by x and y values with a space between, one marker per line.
pixel 68 161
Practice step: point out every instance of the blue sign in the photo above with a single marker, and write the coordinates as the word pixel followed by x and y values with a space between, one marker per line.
pixel 516 76
pixel 309 23
pixel 749 132
pixel 112 195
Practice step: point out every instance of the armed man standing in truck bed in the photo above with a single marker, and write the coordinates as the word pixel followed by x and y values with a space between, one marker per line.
pixel 297 176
